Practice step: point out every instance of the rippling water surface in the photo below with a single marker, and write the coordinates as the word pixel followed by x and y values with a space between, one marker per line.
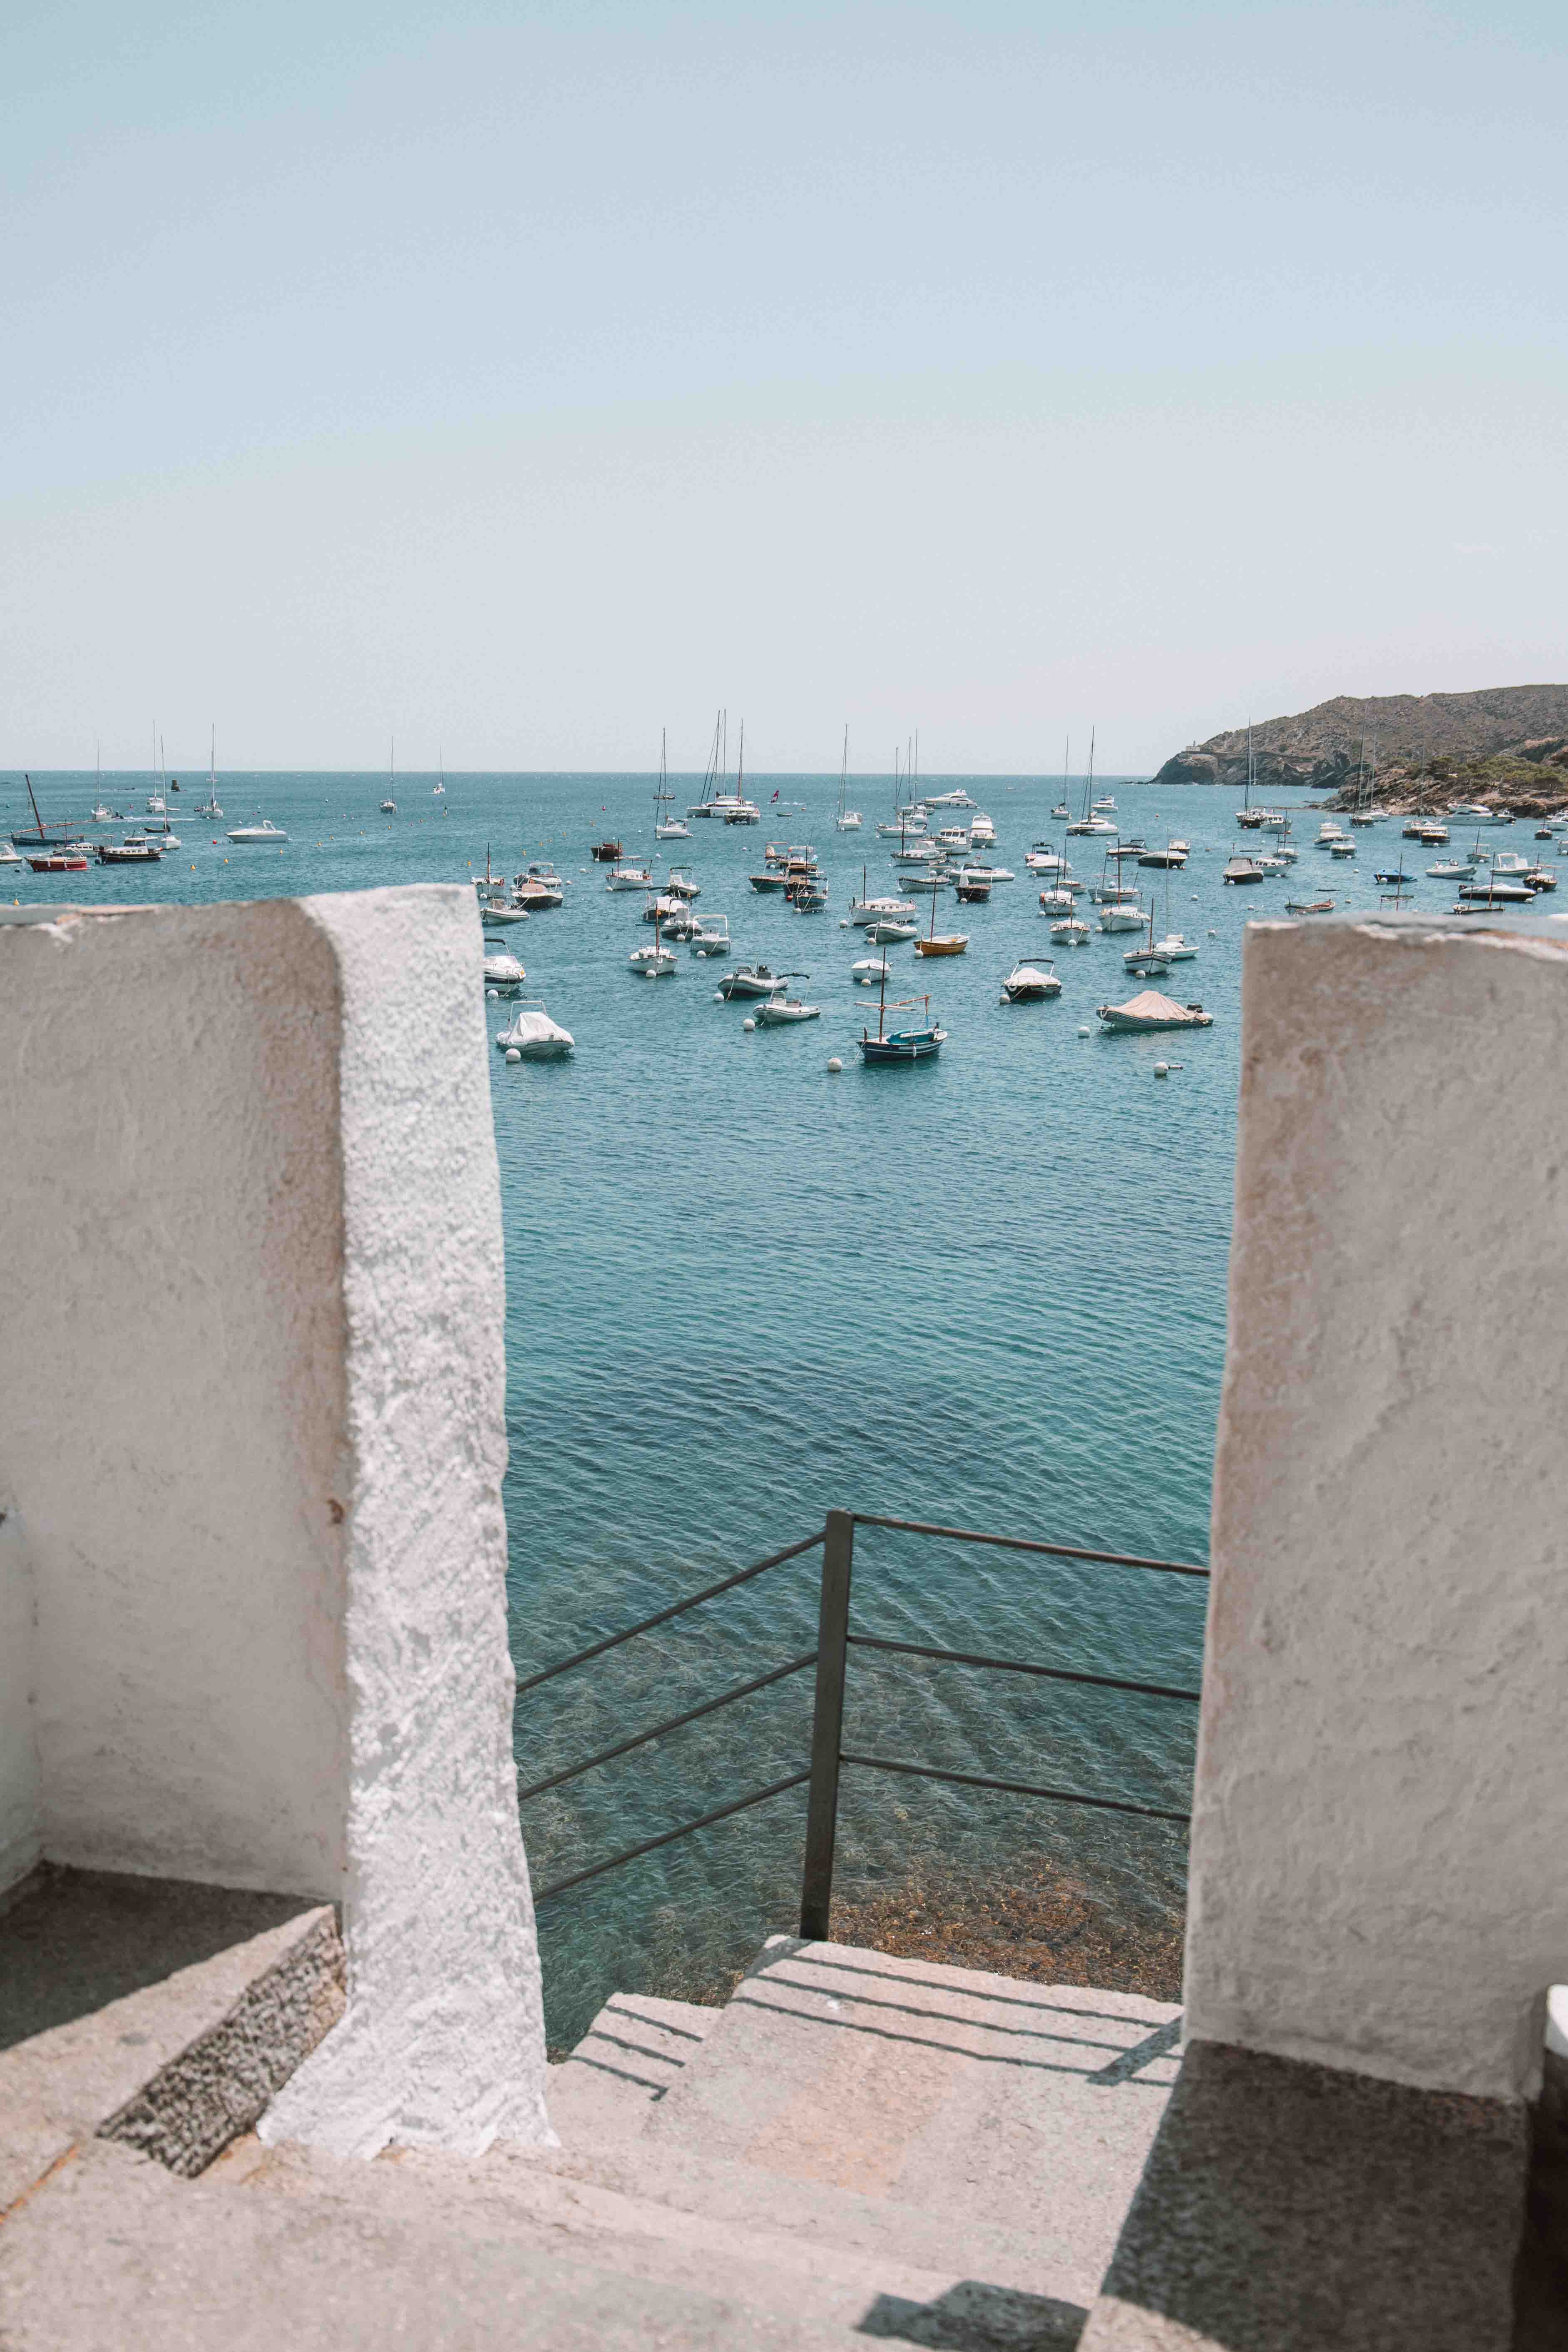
pixel 988 1291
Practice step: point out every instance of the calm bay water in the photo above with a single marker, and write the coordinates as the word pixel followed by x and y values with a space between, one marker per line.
pixel 988 1290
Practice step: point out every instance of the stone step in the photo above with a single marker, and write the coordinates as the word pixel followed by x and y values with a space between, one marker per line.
pixel 633 2053
pixel 994 2112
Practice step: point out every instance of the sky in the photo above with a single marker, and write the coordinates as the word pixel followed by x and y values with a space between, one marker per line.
pixel 521 380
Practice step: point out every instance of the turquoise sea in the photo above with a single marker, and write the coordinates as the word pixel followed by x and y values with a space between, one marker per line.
pixel 988 1291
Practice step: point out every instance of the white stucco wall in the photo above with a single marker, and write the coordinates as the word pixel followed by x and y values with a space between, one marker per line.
pixel 252 1431
pixel 1381 1808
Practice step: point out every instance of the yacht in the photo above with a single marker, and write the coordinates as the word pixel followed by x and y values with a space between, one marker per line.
pixel 955 800
pixel 265 831
pixel 1092 824
pixel 1477 812
pixel 1030 984
pixel 532 1034
pixel 982 832
pixel 743 813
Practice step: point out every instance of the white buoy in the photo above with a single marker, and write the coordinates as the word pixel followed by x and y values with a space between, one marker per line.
pixel 844 922
pixel 651 973
pixel 491 994
pixel 1083 1030
pixel 512 1055
pixel 1162 1069
pixel 835 1064
pixel 717 996
pixel 748 1024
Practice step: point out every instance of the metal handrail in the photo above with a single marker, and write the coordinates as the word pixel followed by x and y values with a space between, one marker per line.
pixel 677 1609
pixel 641 1738
pixel 830 1658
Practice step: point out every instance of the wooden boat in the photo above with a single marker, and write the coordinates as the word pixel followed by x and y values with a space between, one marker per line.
pixel 129 853
pixel 605 852
pixel 946 943
pixel 58 861
pixel 915 1045
pixel 1311 906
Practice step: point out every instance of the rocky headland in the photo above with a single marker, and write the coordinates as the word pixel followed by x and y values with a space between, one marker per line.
pixel 1504 745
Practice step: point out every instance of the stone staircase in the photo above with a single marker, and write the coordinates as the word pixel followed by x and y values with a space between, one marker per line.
pixel 854 2147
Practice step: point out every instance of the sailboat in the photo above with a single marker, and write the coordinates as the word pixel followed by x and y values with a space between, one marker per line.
pixel 848 819
pixel 156 804
pixel 1061 811
pixel 738 809
pixel 439 790
pixel 389 806
pixel 1367 788
pixel 1093 819
pixel 1246 816
pixel 666 828
pixel 950 943
pixel 101 815
pixel 915 1045
pixel 209 807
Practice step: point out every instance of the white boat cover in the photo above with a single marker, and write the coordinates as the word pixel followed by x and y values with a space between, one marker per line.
pixel 1151 1009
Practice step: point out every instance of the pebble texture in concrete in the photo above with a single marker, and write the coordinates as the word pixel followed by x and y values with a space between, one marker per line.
pixel 1290 2208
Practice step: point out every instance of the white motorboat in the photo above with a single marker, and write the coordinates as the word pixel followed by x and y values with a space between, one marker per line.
pixel 264 832
pixel 778 1010
pixel 889 931
pixel 495 914
pixel 1337 849
pixel 1367 816
pixel 10 854
pixel 533 1035
pixel 1508 864
pixel 1003 874
pixel 923 852
pixel 661 910
pixel 1469 812
pixel 1452 869
pixel 751 980
pixel 1328 834
pixel 905 822
pixel 1119 915
pixel 1267 861
pixel 673 829
pixel 101 815
pixel 1044 858
pixel 540 888
pixel 1151 1011
pixel 1169 859
pixel 626 873
pixel 388 808
pixel 1105 805
pixel 503 972
pixel 1061 810
pixel 954 839
pixel 711 936
pixel 1092 824
pixel 1030 984
pixel 653 959
pixel 158 806
pixel 677 885
pixel 982 832
pixel 1070 931
pixel 865 911
pixel 1175 948
pixel 958 799
pixel 869 972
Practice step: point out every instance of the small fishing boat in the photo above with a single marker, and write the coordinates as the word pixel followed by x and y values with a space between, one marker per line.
pixel 605 852
pixel 937 878
pixel 971 885
pixel 58 861
pixel 1029 982
pixel 921 1044
pixel 1151 1011
pixel 653 960
pixel 811 896
pixel 1044 858
pixel 1121 915
pixel 1309 906
pixel 941 943
pixel 1059 901
pixel 677 885
pixel 266 831
pixel 626 873
pixel 890 931
pixel 779 1010
pixel 533 1035
pixel 1171 860
pixel 1070 931
pixel 771 881
pixel 1341 849
pixel 496 914
pixel 539 889
pixel 1447 869
pixel 751 980
pixel 1242 869
pixel 711 936
pixel 869 972
pixel 1540 878
pixel 388 808
pixel 129 853
pixel 99 814
pixel 864 910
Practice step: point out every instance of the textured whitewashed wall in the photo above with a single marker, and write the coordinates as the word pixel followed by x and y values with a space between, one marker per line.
pixel 21 1824
pixel 252 1427
pixel 1381 1808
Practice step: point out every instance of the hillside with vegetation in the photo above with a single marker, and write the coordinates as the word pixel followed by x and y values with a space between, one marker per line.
pixel 1504 745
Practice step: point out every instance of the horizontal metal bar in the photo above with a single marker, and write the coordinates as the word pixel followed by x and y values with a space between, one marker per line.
pixel 1021 1666
pixel 796 1781
pixel 640 1739
pixel 1021 1543
pixel 663 1616
pixel 1014 1787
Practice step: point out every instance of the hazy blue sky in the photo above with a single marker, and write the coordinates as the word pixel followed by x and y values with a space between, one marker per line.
pixel 522 378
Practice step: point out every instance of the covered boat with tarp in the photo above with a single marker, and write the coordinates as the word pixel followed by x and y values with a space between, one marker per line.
pixel 1151 1011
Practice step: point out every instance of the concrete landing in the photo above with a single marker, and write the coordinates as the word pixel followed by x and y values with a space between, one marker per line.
pixel 153 2011
pixel 1289 2208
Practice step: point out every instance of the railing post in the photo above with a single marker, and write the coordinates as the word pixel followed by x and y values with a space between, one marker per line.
pixel 826 1725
